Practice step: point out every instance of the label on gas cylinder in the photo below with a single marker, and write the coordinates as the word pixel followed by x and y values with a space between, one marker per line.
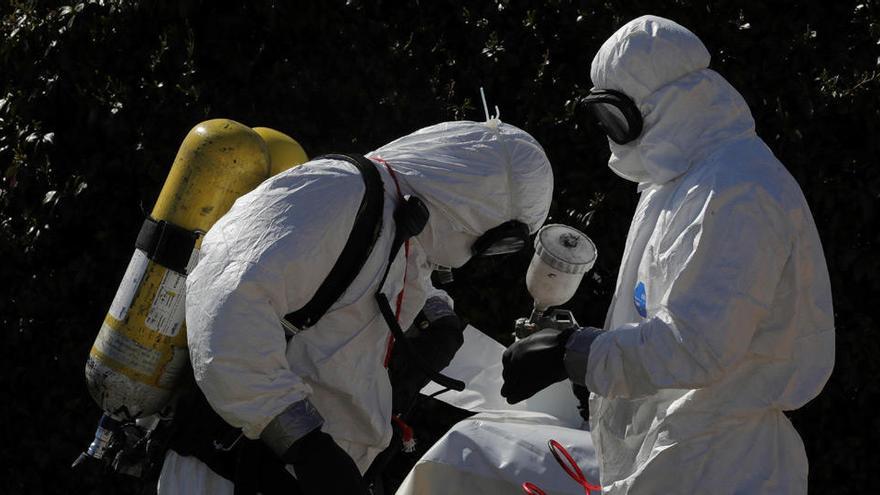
pixel 167 313
pixel 132 279
pixel 128 353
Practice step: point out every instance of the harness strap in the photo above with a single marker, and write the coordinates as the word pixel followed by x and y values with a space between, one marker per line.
pixel 389 346
pixel 409 218
pixel 366 229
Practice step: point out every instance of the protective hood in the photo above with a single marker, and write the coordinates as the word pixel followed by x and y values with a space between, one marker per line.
pixel 688 110
pixel 473 176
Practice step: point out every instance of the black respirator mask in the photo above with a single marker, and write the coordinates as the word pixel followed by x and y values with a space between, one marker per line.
pixel 616 114
pixel 509 237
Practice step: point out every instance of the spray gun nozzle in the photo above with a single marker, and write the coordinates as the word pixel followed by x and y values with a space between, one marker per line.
pixel 536 315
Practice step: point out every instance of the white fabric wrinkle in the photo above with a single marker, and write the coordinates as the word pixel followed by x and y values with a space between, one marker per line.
pixel 265 370
pixel 248 292
pixel 466 177
pixel 695 363
pixel 646 54
pixel 687 120
pixel 726 210
pixel 480 204
pixel 687 108
pixel 724 260
pixel 626 161
pixel 292 227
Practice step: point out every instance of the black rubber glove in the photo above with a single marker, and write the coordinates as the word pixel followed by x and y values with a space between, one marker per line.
pixel 534 363
pixel 321 466
pixel 582 394
pixel 435 342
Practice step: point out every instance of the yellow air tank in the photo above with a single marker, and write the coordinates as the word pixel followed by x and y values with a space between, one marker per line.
pixel 141 351
pixel 284 151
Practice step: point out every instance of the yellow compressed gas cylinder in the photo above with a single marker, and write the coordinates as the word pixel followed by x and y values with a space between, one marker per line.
pixel 284 151
pixel 140 350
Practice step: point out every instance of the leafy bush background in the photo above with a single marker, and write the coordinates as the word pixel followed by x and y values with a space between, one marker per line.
pixel 95 98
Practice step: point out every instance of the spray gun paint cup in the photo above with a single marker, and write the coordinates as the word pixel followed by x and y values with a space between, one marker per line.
pixel 562 256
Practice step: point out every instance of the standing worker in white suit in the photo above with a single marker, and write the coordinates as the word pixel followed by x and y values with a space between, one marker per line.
pixel 322 400
pixel 722 318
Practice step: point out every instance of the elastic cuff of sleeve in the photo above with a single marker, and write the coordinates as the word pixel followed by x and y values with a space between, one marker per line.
pixel 577 353
pixel 293 423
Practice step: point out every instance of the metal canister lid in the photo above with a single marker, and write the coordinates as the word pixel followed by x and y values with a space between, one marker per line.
pixel 565 248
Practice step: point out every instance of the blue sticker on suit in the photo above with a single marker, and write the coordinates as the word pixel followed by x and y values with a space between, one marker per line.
pixel 640 299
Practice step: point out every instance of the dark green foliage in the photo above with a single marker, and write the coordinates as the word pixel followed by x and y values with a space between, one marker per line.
pixel 95 98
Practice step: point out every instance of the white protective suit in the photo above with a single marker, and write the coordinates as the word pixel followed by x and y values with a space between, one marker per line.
pixel 269 254
pixel 722 316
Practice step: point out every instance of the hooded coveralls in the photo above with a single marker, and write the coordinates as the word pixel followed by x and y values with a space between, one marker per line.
pixel 722 318
pixel 269 254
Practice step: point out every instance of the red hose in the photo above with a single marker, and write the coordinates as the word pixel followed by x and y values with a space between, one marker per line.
pixel 569 465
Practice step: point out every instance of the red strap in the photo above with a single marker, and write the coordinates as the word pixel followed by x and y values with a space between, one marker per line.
pixel 389 345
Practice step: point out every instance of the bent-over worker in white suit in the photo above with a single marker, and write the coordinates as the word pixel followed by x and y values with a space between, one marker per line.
pixel 322 401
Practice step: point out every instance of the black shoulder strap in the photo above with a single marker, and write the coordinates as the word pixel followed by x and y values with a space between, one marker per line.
pixel 366 229
pixel 409 218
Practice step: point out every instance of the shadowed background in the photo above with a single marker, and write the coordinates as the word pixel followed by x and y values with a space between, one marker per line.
pixel 96 97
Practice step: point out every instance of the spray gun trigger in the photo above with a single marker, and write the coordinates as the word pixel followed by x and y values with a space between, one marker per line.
pixel 563 319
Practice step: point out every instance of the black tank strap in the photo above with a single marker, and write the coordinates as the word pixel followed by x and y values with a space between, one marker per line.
pixel 366 229
pixel 166 244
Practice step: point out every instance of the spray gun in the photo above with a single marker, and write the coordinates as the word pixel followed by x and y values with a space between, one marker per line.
pixel 562 256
